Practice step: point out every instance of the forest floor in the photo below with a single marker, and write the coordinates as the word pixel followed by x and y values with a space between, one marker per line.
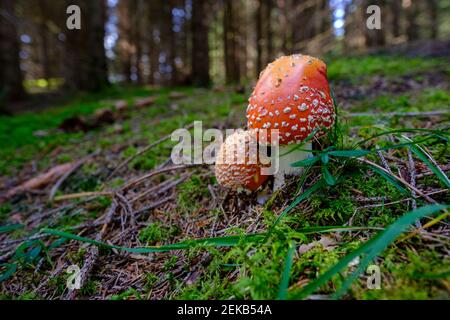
pixel 48 224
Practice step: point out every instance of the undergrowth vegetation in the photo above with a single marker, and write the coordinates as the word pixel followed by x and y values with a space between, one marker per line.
pixel 184 237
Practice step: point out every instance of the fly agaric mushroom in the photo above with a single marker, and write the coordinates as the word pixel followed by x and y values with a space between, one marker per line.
pixel 293 96
pixel 237 163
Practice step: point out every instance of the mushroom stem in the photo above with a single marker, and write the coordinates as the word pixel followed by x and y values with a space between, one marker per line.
pixel 285 161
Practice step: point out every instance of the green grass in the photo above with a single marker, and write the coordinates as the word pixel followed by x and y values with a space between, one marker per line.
pixel 257 263
pixel 429 99
pixel 344 68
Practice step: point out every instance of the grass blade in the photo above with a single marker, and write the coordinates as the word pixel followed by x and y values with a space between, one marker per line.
pixel 428 160
pixel 9 271
pixel 11 227
pixel 306 194
pixel 349 153
pixel 329 179
pixel 371 249
pixel 207 242
pixel 389 179
pixel 284 284
pixel 306 162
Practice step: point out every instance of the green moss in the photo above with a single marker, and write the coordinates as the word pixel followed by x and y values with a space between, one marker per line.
pixel 423 276
pixel 5 209
pixel 90 288
pixel 130 294
pixel 192 193
pixel 344 68
pixel 158 232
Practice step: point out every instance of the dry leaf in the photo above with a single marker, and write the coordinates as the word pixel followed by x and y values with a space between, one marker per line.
pixel 41 180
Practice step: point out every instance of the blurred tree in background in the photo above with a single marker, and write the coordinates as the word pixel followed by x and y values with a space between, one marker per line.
pixel 192 42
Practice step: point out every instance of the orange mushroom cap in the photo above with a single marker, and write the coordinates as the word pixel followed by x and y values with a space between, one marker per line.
pixel 237 163
pixel 293 96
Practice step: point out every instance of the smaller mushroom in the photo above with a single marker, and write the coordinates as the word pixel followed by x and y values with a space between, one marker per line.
pixel 237 163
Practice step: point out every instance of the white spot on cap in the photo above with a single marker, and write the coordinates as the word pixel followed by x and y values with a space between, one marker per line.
pixel 304 89
pixel 303 107
pixel 287 110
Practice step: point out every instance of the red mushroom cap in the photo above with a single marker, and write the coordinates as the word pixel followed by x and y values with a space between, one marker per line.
pixel 293 96
pixel 237 164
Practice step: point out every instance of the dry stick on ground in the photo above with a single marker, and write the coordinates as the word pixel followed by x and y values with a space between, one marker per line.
pixel 93 252
pixel 125 204
pixel 153 205
pixel 154 144
pixel 83 195
pixel 430 173
pixel 384 162
pixel 140 179
pixel 420 193
pixel 126 186
pixel 162 187
pixel 384 204
pixel 60 181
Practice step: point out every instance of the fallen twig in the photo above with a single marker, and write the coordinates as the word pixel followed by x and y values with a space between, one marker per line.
pixel 83 195
pixel 420 193
pixel 67 174
pixel 93 253
pixel 161 188
pixel 154 173
pixel 153 205
pixel 144 150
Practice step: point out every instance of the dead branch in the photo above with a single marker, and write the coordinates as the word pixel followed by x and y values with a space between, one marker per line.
pixel 420 193
pixel 69 172
pixel 93 253
pixel 139 180
pixel 144 150
pixel 162 187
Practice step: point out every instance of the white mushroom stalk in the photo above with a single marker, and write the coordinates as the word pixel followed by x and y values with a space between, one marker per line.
pixel 287 157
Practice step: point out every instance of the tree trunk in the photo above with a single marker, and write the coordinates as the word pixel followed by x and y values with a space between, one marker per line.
pixel 44 42
pixel 152 40
pixel 434 18
pixel 169 41
pixel 396 11
pixel 269 33
pixel 125 45
pixel 200 43
pixel 412 29
pixel 259 38
pixel 11 80
pixel 374 38
pixel 86 65
pixel 137 40
pixel 231 46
